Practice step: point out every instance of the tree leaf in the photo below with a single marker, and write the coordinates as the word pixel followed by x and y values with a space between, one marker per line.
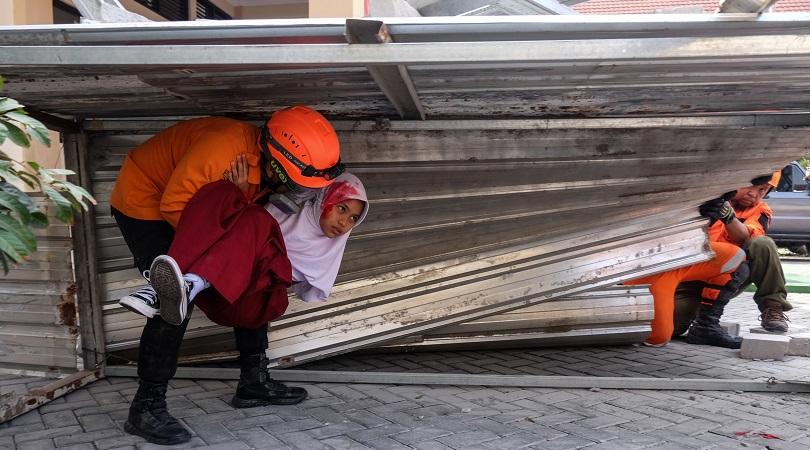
pixel 35 128
pixel 8 250
pixel 27 241
pixel 75 192
pixel 8 104
pixel 9 173
pixel 16 135
pixel 38 218
pixel 57 172
pixel 64 209
pixel 19 246
pixel 4 261
pixel 30 179
pixel 9 201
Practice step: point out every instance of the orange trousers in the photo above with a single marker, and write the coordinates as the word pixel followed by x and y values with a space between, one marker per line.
pixel 716 271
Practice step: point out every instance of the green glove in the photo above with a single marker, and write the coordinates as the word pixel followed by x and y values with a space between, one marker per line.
pixel 718 209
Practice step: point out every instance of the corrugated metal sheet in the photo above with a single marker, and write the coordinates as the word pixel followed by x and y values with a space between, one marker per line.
pixel 38 320
pixel 617 315
pixel 496 202
pixel 551 66
pixel 471 218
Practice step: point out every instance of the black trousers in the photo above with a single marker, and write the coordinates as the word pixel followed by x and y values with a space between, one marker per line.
pixel 160 342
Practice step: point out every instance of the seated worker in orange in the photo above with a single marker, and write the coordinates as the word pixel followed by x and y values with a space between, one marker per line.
pixel 727 265
pixel 295 153
pixel 743 220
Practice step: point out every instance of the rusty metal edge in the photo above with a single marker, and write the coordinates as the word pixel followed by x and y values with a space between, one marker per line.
pixel 13 406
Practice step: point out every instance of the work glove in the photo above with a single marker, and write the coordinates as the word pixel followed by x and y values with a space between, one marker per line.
pixel 717 209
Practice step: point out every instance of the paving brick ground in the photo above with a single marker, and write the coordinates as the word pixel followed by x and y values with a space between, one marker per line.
pixel 338 416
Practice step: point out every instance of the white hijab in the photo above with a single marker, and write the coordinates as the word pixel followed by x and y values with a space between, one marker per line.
pixel 316 258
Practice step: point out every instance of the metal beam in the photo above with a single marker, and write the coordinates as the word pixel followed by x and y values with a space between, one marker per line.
pixel 14 405
pixel 462 379
pixel 795 48
pixel 84 245
pixel 54 123
pixel 410 29
pixel 393 80
pixel 745 6
pixel 712 121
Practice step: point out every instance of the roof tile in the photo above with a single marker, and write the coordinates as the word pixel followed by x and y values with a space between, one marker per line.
pixel 656 6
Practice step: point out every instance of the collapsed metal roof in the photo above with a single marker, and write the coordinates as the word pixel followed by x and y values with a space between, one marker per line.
pixel 435 68
pixel 549 162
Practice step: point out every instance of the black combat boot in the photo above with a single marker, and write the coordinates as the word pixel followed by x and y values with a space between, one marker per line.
pixel 157 364
pixel 706 329
pixel 149 419
pixel 256 388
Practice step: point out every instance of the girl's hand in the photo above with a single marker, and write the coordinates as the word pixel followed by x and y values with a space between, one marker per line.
pixel 239 172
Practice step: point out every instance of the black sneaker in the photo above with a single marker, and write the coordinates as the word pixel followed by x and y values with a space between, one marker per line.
pixel 144 301
pixel 171 288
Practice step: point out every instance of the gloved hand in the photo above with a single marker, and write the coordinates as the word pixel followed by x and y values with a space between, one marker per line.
pixel 718 209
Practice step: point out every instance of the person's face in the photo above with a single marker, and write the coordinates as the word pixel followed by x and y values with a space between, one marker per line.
pixel 751 195
pixel 279 187
pixel 341 217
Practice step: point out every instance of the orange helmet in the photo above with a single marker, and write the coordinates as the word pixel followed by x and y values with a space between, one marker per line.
pixel 771 179
pixel 303 147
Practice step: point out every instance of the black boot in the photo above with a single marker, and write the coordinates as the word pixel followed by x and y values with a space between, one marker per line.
pixel 157 364
pixel 256 388
pixel 706 329
pixel 149 419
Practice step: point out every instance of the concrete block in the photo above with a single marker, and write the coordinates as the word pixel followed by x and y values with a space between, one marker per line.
pixel 764 346
pixel 732 328
pixel 799 345
pixel 760 330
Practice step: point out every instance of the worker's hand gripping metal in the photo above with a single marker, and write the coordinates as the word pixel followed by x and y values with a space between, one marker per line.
pixel 718 208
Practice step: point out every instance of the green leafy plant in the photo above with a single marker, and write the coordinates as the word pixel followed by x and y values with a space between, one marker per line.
pixel 19 214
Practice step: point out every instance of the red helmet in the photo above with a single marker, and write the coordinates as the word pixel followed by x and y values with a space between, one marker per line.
pixel 304 145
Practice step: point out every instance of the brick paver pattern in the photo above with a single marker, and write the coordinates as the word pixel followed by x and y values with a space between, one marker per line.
pixel 359 416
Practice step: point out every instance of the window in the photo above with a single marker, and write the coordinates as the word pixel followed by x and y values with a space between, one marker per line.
pixel 208 10
pixel 170 9
pixel 793 179
pixel 63 13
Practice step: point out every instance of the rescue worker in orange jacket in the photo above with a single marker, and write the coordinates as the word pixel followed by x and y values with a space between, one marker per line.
pixel 296 152
pixel 743 220
pixel 721 271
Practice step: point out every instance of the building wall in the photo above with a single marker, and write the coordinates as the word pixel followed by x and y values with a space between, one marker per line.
pixel 130 5
pixel 31 12
pixel 224 5
pixel 38 327
pixel 337 8
pixel 284 11
pixel 137 8
pixel 25 12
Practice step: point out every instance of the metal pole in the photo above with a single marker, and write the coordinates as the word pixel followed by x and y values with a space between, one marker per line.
pixel 522 381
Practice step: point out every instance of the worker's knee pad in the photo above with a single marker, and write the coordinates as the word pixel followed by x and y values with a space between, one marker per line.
pixel 732 287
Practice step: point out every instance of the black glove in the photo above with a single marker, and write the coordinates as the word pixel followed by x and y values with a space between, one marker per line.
pixel 718 209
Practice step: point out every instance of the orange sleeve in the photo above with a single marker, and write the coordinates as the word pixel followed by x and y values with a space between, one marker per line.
pixel 757 223
pixel 206 160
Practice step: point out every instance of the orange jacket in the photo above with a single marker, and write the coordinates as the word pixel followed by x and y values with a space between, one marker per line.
pixel 161 175
pixel 757 218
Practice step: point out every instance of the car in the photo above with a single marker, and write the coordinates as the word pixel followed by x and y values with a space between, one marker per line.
pixel 790 202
